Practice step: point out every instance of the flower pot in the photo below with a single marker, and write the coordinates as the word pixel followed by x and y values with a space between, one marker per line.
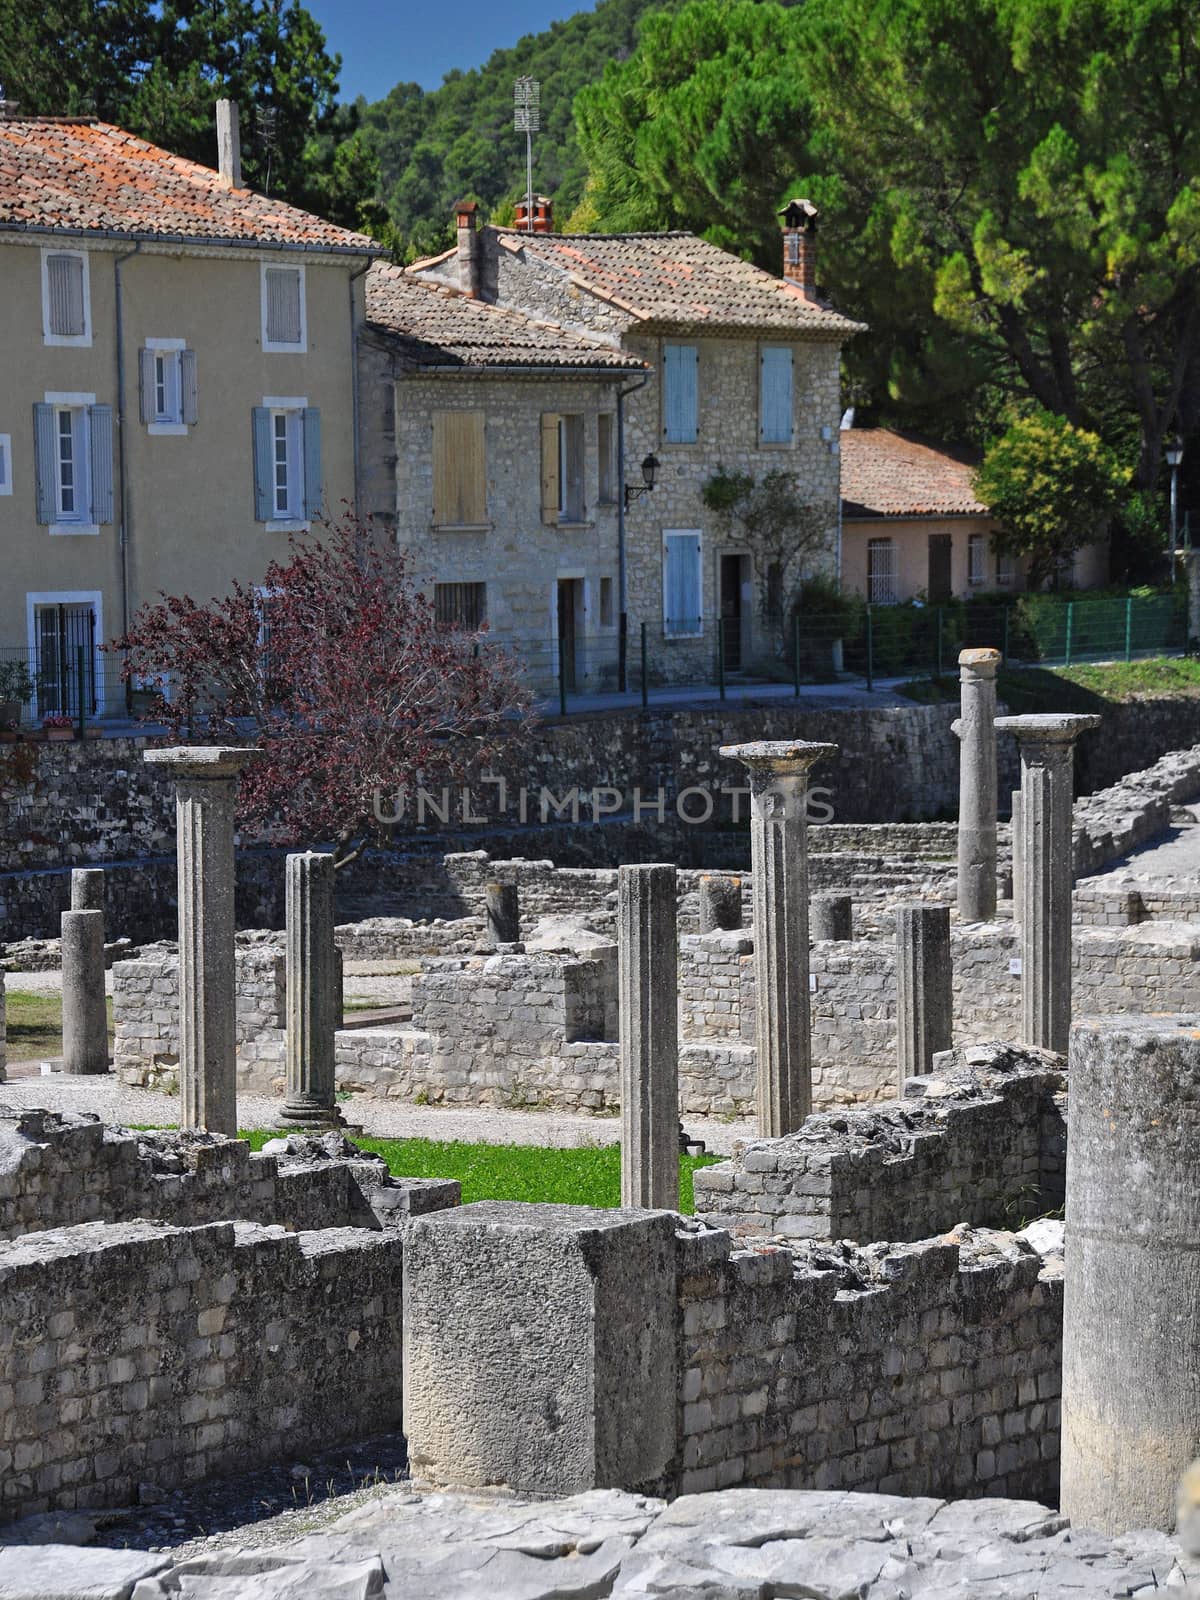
pixel 59 735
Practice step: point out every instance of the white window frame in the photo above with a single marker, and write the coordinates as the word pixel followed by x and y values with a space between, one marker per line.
pixel 78 341
pixel 172 426
pixel 293 407
pixel 698 535
pixel 77 522
pixel 977 560
pixel 273 347
pixel 6 463
pixel 892 597
pixel 66 597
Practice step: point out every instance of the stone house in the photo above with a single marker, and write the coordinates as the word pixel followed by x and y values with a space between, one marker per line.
pixel 489 445
pixel 179 387
pixel 743 379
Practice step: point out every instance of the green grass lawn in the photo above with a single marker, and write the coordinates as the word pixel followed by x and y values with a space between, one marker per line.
pixel 1090 687
pixel 35 1025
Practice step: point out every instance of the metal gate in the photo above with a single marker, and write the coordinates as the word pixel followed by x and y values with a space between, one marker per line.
pixel 66 652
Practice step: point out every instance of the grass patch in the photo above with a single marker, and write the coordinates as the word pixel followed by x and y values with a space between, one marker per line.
pixel 35 1025
pixel 1089 687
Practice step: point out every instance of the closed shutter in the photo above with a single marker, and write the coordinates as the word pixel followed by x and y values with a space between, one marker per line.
pixel 64 286
pixel 459 484
pixel 100 451
pixel 146 384
pixel 775 405
pixel 680 364
pixel 44 457
pixel 189 398
pixel 551 470
pixel 313 487
pixel 283 305
pixel 260 419
pixel 682 595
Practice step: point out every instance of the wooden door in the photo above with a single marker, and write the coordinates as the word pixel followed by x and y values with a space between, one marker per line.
pixel 941 549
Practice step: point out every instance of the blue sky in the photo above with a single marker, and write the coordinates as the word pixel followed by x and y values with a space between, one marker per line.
pixel 383 42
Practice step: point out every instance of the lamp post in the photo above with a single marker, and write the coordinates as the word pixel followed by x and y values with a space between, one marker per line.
pixel 649 475
pixel 1174 457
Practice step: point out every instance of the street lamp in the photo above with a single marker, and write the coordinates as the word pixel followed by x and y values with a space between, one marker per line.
pixel 1174 457
pixel 649 474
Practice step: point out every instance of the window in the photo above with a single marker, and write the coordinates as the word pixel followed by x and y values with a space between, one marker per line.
pixel 459 472
pixel 73 449
pixel 5 463
pixel 287 463
pixel 607 429
pixel 680 394
pixel 1006 568
pixel 606 603
pixel 683 606
pixel 460 605
pixel 881 572
pixel 63 633
pixel 562 469
pixel 775 395
pixel 284 326
pixel 66 299
pixel 977 559
pixel 167 375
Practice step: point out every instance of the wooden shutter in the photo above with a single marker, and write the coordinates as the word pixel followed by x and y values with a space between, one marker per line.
pixel 100 462
pixel 260 421
pixel 146 384
pixel 551 475
pixel 283 305
pixel 680 393
pixel 64 285
pixel 682 594
pixel 459 481
pixel 775 395
pixel 189 392
pixel 313 487
pixel 44 460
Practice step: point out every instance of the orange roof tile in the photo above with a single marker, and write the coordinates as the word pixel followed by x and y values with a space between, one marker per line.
pixel 81 176
pixel 889 474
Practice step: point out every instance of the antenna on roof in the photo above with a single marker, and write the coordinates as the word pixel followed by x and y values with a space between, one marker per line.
pixel 527 119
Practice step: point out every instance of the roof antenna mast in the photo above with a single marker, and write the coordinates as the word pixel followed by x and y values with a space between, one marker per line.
pixel 527 119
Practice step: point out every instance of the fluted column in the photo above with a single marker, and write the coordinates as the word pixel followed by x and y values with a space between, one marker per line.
pixel 314 992
pixel 924 988
pixel 1018 858
pixel 205 800
pixel 648 986
pixel 779 863
pixel 976 732
pixel 1047 745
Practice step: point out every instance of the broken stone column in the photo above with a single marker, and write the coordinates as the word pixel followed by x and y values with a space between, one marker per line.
pixel 831 916
pixel 924 988
pixel 502 904
pixel 205 796
pixel 976 730
pixel 648 1013
pixel 314 992
pixel 1018 866
pixel 1131 1316
pixel 87 889
pixel 1047 745
pixel 84 1015
pixel 779 863
pixel 720 903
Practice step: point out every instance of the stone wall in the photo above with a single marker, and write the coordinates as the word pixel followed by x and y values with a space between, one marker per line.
pixel 235 1344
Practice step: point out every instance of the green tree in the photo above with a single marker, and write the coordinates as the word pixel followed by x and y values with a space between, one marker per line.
pixel 1054 488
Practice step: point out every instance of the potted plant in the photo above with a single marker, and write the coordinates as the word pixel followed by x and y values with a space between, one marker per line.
pixel 16 687
pixel 58 727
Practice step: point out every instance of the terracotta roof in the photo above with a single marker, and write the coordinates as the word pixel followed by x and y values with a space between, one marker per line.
pixel 887 474
pixel 677 278
pixel 435 326
pixel 87 177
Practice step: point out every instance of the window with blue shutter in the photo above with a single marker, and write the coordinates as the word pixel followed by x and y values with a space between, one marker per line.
pixel 261 426
pixel 680 393
pixel 44 462
pixel 683 604
pixel 100 448
pixel 775 395
pixel 313 487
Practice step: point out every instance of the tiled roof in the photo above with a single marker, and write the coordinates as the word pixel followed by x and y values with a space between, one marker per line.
pixel 677 278
pixel 433 326
pixel 85 176
pixel 887 474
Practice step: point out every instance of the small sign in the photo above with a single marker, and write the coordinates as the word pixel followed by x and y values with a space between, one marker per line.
pixel 812 983
pixel 1014 966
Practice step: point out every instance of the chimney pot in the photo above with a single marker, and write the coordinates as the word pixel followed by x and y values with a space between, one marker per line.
pixel 543 215
pixel 229 145
pixel 800 245
pixel 466 221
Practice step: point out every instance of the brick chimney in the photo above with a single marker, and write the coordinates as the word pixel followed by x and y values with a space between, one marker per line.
pixel 229 145
pixel 466 218
pixel 543 215
pixel 800 246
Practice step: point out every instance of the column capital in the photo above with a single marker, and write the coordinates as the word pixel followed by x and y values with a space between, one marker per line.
pixel 1048 728
pixel 202 760
pixel 783 757
pixel 979 663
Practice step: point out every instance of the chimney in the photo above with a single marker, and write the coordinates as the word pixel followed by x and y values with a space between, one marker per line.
pixel 543 215
pixel 465 216
pixel 229 145
pixel 800 246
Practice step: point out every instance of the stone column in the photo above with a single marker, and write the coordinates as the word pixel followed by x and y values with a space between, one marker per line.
pixel 924 988
pixel 1047 745
pixel 84 1015
pixel 205 795
pixel 779 863
pixel 831 916
pixel 503 909
pixel 648 981
pixel 1131 1319
pixel 720 903
pixel 1018 859
pixel 976 732
pixel 87 889
pixel 314 992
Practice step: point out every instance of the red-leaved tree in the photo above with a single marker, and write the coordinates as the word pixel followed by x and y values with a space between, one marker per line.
pixel 338 670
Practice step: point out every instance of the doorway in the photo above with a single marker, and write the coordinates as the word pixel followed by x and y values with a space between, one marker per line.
pixel 65 643
pixel 570 604
pixel 733 583
pixel 941 586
